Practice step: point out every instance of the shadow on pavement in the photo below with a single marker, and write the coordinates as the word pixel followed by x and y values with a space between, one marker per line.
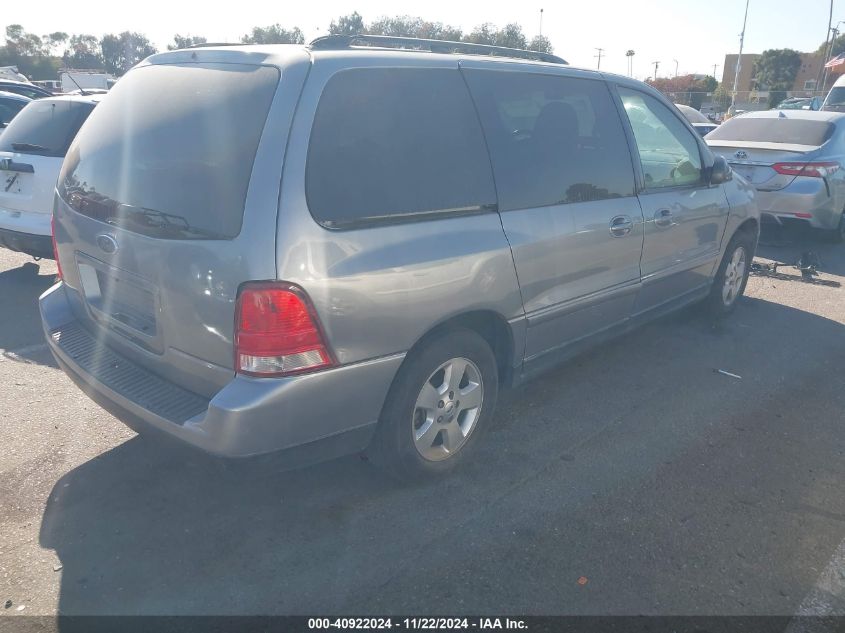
pixel 145 529
pixel 20 288
pixel 786 245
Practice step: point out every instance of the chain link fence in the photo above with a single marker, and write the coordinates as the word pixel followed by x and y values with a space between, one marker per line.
pixel 716 104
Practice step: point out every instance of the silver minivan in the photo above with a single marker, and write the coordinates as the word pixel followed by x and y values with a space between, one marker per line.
pixel 357 243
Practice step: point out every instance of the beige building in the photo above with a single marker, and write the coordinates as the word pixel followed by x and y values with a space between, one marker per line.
pixel 805 80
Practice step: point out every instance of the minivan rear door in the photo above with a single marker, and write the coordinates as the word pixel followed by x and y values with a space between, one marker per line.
pixel 167 202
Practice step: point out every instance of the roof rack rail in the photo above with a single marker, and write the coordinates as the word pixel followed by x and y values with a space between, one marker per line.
pixel 340 42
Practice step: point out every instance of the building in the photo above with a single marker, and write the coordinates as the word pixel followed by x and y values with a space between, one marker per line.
pixel 805 80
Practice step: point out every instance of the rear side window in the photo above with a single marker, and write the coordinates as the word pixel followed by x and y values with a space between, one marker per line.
pixel 45 127
pixel 773 130
pixel 836 96
pixel 553 140
pixel 394 143
pixel 9 108
pixel 169 152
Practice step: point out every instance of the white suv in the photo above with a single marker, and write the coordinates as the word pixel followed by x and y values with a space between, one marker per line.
pixel 32 149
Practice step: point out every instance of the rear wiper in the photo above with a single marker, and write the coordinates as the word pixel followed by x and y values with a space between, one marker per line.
pixel 164 221
pixel 30 147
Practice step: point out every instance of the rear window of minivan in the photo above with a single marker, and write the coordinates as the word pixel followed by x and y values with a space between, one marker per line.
pixel 773 130
pixel 45 127
pixel 169 152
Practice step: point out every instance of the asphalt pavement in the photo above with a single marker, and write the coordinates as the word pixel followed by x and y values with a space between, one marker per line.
pixel 635 479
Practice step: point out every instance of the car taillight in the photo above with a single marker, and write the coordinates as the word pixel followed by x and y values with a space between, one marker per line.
pixel 277 332
pixel 814 170
pixel 55 248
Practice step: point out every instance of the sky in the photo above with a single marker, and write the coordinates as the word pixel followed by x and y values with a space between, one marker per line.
pixel 697 33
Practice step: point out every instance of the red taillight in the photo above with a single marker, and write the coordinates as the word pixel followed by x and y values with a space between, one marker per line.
pixel 55 248
pixel 814 170
pixel 277 332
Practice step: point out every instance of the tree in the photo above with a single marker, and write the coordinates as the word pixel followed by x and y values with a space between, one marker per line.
pixel 408 26
pixel 274 34
pixel 541 44
pixel 122 52
pixel 19 42
pixel 776 69
pixel 54 41
pixel 351 24
pixel 511 36
pixel 83 52
pixel 184 41
pixel 687 89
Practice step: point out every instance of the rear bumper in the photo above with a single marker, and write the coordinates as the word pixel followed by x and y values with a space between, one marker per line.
pixel 798 201
pixel 35 245
pixel 247 417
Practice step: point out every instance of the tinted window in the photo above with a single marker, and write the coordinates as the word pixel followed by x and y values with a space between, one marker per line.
pixel 553 140
pixel 388 142
pixel 9 108
pixel 169 152
pixel 836 96
pixel 669 153
pixel 45 127
pixel 773 130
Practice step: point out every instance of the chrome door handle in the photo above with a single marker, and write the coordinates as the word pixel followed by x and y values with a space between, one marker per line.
pixel 663 217
pixel 621 225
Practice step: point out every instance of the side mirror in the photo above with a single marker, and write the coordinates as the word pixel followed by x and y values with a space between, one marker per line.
pixel 721 171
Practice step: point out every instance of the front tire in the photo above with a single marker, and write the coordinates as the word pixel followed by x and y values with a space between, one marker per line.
pixel 732 275
pixel 441 399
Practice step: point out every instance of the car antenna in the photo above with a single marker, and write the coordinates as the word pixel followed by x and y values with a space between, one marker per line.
pixel 81 89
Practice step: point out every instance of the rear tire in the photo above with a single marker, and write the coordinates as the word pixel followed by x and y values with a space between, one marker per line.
pixel 732 275
pixel 425 430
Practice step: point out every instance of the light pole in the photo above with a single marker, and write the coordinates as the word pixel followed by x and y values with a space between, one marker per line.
pixel 541 23
pixel 630 55
pixel 834 33
pixel 676 68
pixel 732 109
pixel 600 50
pixel 656 64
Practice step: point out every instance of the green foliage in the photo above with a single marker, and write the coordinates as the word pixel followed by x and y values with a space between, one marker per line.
pixel 122 52
pixel 184 41
pixel 511 36
pixel 541 43
pixel 351 24
pixel 775 97
pixel 274 34
pixel 408 26
pixel 83 53
pixel 777 68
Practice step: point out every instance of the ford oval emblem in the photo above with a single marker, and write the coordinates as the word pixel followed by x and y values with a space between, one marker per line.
pixel 107 243
pixel 741 155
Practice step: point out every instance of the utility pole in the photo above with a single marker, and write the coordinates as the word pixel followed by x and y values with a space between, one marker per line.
pixel 822 69
pixel 630 55
pixel 656 64
pixel 732 109
pixel 676 68
pixel 715 66
pixel 541 23
pixel 600 50
pixel 834 33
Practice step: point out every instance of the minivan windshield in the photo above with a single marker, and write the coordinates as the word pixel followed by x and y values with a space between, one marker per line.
pixel 773 130
pixel 836 96
pixel 169 152
pixel 45 127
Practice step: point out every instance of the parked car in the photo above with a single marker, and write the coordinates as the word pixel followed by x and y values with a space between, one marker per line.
pixel 835 99
pixel 794 160
pixel 10 105
pixel 32 148
pixel 316 251
pixel 800 103
pixel 26 89
pixel 700 122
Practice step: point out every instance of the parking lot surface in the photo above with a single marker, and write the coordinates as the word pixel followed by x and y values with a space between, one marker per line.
pixel 636 479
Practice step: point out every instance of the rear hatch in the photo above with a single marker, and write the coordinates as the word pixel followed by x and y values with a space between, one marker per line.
pixel 32 148
pixel 159 218
pixel 754 146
